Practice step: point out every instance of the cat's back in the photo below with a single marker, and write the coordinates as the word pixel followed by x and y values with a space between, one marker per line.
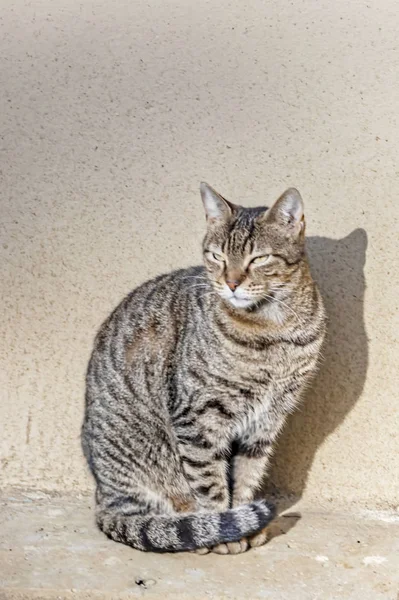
pixel 155 310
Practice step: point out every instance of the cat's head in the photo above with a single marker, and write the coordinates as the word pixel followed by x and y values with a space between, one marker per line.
pixel 251 253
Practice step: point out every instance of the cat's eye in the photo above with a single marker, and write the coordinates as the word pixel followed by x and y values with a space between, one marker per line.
pixel 217 256
pixel 260 260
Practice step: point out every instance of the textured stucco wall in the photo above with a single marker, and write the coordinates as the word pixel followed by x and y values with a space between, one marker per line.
pixel 111 113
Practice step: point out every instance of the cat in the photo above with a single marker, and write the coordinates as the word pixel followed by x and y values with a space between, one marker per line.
pixel 192 377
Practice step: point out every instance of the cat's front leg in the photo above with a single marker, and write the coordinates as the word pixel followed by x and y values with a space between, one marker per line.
pixel 253 453
pixel 206 471
pixel 249 467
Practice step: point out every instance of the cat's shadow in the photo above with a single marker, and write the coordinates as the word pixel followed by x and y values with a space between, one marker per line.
pixel 338 267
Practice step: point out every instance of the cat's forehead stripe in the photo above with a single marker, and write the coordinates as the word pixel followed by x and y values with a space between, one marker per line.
pixel 241 230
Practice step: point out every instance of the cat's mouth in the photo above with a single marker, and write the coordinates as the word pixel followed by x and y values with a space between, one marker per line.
pixel 238 298
pixel 240 302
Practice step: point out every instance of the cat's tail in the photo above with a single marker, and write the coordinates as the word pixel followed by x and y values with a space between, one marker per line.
pixel 186 531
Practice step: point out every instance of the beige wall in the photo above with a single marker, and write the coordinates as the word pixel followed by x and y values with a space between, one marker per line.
pixel 112 112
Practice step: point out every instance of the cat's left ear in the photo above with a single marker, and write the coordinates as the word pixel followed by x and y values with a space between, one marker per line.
pixel 288 211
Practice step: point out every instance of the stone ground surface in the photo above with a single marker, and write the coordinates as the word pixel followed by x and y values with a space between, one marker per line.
pixel 50 548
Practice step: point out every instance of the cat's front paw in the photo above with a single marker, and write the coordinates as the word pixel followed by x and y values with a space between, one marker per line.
pixel 260 538
pixel 228 548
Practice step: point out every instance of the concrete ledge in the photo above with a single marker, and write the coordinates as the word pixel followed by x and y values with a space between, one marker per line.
pixel 50 549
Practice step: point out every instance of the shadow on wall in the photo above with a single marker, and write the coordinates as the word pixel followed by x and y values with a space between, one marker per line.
pixel 337 266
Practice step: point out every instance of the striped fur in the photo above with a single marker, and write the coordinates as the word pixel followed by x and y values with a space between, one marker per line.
pixel 190 382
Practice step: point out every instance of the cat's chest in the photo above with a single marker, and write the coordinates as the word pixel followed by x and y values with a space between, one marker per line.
pixel 255 384
pixel 264 368
pixel 235 412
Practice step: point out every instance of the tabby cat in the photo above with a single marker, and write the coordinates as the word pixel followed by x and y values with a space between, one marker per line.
pixel 192 377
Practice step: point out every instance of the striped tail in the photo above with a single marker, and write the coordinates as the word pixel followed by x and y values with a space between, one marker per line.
pixel 190 531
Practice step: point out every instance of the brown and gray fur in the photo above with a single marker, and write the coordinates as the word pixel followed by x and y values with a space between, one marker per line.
pixel 192 377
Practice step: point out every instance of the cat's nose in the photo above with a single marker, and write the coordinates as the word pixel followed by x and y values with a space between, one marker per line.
pixel 233 284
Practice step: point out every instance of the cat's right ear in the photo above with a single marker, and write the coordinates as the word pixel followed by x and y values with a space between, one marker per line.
pixel 216 207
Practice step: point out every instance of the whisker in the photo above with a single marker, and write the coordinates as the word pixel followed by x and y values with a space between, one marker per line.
pixel 300 321
pixel 201 286
pixel 206 294
pixel 198 285
pixel 197 277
